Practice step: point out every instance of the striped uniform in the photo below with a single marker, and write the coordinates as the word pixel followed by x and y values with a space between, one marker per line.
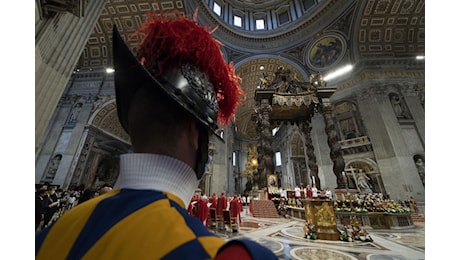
pixel 107 227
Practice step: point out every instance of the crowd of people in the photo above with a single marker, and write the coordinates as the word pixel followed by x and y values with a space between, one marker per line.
pixel 51 201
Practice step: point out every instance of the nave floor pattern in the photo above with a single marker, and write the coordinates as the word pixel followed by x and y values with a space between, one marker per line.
pixel 285 238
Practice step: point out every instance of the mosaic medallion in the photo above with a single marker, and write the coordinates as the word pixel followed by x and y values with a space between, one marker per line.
pixel 326 51
pixel 274 246
pixel 319 254
pixel 385 257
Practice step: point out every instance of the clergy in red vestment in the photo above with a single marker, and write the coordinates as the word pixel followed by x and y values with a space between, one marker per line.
pixel 197 208
pixel 205 210
pixel 191 206
pixel 202 210
pixel 241 203
pixel 235 209
pixel 221 204
pixel 213 201
pixel 309 192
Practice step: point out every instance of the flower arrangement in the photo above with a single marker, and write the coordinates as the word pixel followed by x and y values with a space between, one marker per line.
pixel 299 203
pixel 295 203
pixel 349 233
pixel 273 190
pixel 310 231
pixel 342 209
pixel 282 211
pixel 370 203
pixel 360 210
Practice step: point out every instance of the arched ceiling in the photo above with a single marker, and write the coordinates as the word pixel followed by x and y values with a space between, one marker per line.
pixel 369 33
pixel 106 119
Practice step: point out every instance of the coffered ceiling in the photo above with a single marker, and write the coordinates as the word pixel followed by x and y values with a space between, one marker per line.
pixel 390 32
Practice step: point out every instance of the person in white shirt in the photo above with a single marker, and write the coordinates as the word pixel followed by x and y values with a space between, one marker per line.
pixel 297 193
pixel 283 193
pixel 328 193
pixel 314 191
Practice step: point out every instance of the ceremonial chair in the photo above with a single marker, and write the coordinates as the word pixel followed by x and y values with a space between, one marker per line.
pixel 234 221
pixel 229 221
pixel 212 220
pixel 219 221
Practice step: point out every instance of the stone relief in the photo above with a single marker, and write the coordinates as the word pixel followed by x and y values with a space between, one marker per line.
pixel 399 106
pixel 53 166
pixel 420 164
pixel 326 51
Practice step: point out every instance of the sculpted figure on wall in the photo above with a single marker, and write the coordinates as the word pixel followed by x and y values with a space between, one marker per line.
pixel 420 164
pixel 75 111
pixel 53 166
pixel 399 106
pixel 363 182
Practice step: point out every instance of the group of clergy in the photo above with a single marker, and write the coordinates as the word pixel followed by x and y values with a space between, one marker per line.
pixel 200 206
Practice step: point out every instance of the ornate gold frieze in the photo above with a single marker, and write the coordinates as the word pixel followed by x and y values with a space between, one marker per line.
pixel 325 216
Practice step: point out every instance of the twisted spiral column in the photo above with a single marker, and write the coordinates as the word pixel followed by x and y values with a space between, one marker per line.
pixel 312 163
pixel 264 146
pixel 336 151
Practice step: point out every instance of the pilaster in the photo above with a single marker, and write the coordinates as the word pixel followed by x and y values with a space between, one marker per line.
pixel 389 141
pixel 57 49
pixel 412 97
pixel 322 150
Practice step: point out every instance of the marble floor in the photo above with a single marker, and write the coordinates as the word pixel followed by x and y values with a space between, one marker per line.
pixel 285 237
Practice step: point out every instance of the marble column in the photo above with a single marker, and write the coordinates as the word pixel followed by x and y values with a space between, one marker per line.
pixel 416 110
pixel 59 42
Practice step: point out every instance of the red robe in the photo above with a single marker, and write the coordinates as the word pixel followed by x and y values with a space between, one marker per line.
pixel 235 209
pixel 202 210
pixel 191 206
pixel 213 201
pixel 309 193
pixel 221 205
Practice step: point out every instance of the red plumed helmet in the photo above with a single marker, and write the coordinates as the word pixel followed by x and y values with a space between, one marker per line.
pixel 180 57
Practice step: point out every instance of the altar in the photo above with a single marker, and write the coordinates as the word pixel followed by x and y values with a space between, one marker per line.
pixel 320 212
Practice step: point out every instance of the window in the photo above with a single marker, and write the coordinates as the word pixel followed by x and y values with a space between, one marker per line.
pixel 307 4
pixel 278 158
pixel 217 9
pixel 221 134
pixel 237 21
pixel 260 24
pixel 234 159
